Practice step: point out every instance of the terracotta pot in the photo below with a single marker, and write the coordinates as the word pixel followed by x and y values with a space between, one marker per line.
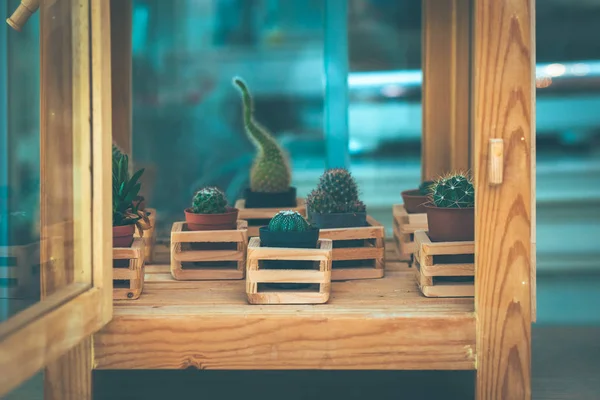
pixel 450 224
pixel 338 220
pixel 140 202
pixel 270 200
pixel 211 222
pixel 123 235
pixel 414 201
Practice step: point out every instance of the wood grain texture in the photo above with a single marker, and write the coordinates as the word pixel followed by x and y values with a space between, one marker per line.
pixel 134 273
pixel 209 325
pixel 503 109
pixel 70 377
pixel 446 82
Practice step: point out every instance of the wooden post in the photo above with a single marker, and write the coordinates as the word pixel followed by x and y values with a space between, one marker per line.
pixel 503 108
pixel 70 377
pixel 446 89
pixel 121 18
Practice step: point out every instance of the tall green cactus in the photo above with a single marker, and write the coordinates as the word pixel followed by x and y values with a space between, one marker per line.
pixel 453 191
pixel 270 172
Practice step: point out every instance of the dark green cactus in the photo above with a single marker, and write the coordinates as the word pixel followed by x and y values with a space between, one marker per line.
pixel 337 192
pixel 209 200
pixel 425 188
pixel 288 221
pixel 454 191
pixel 271 171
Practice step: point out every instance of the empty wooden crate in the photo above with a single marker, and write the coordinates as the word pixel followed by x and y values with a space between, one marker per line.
pixel 358 252
pixel 444 269
pixel 258 217
pixel 128 271
pixel 208 255
pixel 149 236
pixel 405 226
pixel 260 279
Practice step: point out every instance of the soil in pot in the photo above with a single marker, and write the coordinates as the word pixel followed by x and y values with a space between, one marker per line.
pixel 450 224
pixel 297 240
pixel 414 201
pixel 211 222
pixel 270 200
pixel 140 202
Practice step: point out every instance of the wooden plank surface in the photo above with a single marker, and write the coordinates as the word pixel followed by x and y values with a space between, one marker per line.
pixel 70 377
pixel 503 109
pixel 367 324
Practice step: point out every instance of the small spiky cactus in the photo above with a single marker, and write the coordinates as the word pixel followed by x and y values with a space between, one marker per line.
pixel 425 188
pixel 270 171
pixel 337 192
pixel 453 191
pixel 209 200
pixel 288 221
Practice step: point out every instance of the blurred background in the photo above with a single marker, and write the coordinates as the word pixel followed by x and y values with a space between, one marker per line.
pixel 188 132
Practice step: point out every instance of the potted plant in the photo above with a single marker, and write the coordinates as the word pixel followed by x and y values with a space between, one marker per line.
pixel 289 229
pixel 335 203
pixel 209 211
pixel 451 211
pixel 126 217
pixel 415 199
pixel 139 201
pixel 270 175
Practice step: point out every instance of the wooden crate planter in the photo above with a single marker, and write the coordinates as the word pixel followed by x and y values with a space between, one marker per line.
pixel 20 271
pixel 226 260
pixel 444 269
pixel 128 280
pixel 149 237
pixel 365 259
pixel 257 275
pixel 258 217
pixel 405 226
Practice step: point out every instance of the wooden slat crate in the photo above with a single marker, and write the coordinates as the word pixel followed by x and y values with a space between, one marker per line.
pixel 405 225
pixel 226 260
pixel 149 237
pixel 131 275
pixel 258 217
pixel 444 269
pixel 257 275
pixel 20 271
pixel 364 260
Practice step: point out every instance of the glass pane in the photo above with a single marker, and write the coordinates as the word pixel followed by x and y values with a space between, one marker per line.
pixel 187 120
pixel 43 181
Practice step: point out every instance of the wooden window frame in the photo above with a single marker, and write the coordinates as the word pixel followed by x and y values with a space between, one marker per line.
pixel 44 332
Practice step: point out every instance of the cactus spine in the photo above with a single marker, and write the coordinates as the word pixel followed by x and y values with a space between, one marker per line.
pixel 270 171
pixel 288 221
pixel 337 192
pixel 209 200
pixel 453 191
pixel 425 188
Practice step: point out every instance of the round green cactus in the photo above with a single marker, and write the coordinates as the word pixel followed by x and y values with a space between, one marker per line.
pixel 209 200
pixel 425 188
pixel 453 191
pixel 288 221
pixel 270 171
pixel 339 184
pixel 319 201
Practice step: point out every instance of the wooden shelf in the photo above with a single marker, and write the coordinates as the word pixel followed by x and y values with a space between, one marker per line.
pixel 367 324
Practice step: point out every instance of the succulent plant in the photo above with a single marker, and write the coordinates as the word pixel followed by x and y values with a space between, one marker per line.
pixel 337 192
pixel 270 171
pixel 425 188
pixel 125 190
pixel 209 200
pixel 116 152
pixel 453 191
pixel 288 221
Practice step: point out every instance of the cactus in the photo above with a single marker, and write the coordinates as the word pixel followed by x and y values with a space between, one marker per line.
pixel 336 192
pixel 270 171
pixel 288 221
pixel 453 191
pixel 425 188
pixel 209 200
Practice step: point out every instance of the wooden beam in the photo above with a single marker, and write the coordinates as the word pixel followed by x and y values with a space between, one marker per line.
pixel 503 107
pixel 121 18
pixel 70 377
pixel 446 87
